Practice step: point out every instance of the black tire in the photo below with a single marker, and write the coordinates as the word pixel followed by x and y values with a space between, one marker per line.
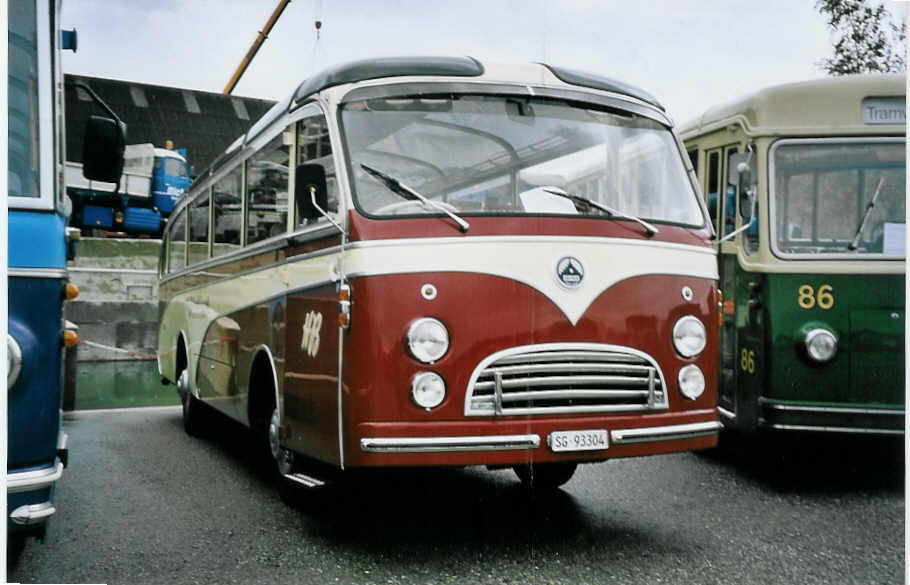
pixel 545 476
pixel 193 415
pixel 193 409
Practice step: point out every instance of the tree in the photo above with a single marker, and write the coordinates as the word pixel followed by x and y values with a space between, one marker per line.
pixel 866 39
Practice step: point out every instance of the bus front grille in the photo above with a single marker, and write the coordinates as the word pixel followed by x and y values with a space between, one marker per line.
pixel 565 379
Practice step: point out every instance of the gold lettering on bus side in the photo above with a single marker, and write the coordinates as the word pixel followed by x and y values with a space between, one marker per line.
pixel 309 341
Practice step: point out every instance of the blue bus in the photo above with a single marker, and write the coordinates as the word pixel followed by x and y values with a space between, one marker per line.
pixel 38 250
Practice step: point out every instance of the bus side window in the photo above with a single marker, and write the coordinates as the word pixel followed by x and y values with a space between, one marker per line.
pixel 267 189
pixel 693 158
pixel 314 148
pixel 199 229
pixel 730 193
pixel 712 186
pixel 177 244
pixel 227 210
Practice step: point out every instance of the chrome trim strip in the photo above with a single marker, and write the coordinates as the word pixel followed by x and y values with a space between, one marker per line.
pixel 25 481
pixel 726 413
pixel 709 250
pixel 858 431
pixel 665 433
pixel 449 444
pixel 31 514
pixel 832 409
pixel 37 272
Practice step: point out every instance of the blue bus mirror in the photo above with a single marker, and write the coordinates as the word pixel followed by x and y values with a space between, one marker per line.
pixel 102 149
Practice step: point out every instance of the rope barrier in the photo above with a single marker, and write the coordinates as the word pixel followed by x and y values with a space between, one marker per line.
pixel 138 354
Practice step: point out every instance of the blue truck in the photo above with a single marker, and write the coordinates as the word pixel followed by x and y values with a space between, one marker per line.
pixel 153 180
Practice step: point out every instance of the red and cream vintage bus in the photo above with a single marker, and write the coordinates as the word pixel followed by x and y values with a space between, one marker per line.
pixel 442 262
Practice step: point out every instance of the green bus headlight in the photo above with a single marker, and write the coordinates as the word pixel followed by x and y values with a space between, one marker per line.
pixel 821 345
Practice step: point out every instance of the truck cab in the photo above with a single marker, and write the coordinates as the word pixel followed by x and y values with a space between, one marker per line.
pixel 171 177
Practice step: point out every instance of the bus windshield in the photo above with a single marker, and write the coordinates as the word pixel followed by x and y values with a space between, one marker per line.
pixel 481 154
pixel 823 190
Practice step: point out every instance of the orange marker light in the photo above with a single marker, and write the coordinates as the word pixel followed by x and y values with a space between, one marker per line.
pixel 70 338
pixel 72 291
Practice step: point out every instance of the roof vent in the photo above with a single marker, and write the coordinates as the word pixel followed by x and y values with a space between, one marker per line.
pixel 138 96
pixel 240 109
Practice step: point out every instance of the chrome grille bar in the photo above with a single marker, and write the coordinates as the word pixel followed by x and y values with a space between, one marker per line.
pixel 565 378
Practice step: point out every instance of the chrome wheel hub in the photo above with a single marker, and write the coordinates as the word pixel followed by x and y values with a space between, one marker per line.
pixel 283 457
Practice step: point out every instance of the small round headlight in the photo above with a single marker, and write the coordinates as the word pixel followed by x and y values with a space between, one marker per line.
pixel 428 390
pixel 13 361
pixel 428 340
pixel 691 382
pixel 689 336
pixel 821 345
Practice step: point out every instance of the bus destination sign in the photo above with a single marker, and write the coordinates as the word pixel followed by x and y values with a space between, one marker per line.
pixel 884 110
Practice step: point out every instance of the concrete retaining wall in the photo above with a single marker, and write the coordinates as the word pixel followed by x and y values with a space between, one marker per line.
pixel 117 307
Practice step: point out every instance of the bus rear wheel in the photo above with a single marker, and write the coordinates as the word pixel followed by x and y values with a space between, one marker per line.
pixel 545 476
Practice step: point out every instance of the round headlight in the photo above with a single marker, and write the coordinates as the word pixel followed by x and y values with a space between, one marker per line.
pixel 428 340
pixel 821 345
pixel 691 382
pixel 689 336
pixel 428 390
pixel 13 361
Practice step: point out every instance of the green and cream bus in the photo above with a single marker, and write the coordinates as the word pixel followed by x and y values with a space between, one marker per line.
pixel 805 183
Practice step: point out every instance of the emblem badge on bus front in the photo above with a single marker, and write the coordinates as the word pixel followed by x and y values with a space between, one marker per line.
pixel 570 272
pixel 309 340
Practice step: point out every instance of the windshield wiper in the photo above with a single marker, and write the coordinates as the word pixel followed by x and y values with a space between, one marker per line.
pixel 862 224
pixel 586 204
pixel 405 192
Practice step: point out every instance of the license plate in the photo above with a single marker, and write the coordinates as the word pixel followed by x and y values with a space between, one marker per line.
pixel 593 440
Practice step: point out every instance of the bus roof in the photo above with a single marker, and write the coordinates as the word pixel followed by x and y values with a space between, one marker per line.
pixel 834 103
pixel 467 67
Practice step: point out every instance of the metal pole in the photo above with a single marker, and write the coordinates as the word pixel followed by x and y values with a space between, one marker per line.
pixel 260 38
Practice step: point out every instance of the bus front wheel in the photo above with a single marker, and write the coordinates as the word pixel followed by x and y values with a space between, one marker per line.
pixel 545 476
pixel 192 408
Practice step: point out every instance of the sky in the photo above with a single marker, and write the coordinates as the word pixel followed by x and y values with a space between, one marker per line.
pixel 689 54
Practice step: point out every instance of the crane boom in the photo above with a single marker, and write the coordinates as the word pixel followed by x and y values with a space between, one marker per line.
pixel 260 38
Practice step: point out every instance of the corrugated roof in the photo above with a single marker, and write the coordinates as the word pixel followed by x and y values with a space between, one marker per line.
pixel 166 113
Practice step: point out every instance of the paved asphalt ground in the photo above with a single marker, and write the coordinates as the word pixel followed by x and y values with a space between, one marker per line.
pixel 141 502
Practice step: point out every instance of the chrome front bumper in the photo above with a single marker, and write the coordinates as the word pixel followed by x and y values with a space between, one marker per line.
pixel 529 441
pixel 27 481
pixel 35 480
pixel 448 444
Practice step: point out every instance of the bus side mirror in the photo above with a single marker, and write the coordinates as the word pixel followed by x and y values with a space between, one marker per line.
pixel 746 194
pixel 307 177
pixel 102 149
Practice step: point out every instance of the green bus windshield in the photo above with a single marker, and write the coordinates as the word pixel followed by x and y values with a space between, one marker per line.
pixel 823 188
